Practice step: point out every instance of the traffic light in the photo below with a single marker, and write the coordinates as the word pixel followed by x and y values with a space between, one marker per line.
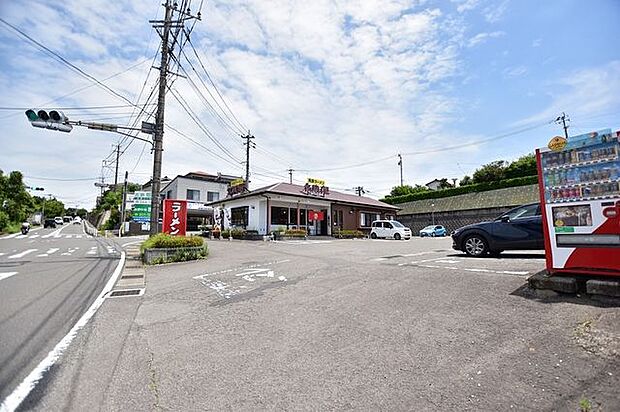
pixel 54 120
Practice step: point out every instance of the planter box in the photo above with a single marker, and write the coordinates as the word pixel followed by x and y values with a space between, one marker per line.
pixel 151 254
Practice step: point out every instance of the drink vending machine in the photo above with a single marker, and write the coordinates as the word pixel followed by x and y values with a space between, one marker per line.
pixel 579 184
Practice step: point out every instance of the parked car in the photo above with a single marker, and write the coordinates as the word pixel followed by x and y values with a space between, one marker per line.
pixel 67 219
pixel 519 228
pixel 77 220
pixel 58 220
pixel 389 229
pixel 433 230
pixel 49 223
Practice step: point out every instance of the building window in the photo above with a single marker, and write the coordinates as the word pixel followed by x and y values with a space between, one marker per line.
pixel 239 216
pixel 193 194
pixel 213 196
pixel 366 219
pixel 279 215
pixel 169 194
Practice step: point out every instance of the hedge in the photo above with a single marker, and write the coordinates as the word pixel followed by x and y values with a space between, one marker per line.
pixel 478 187
pixel 349 234
pixel 164 240
pixel 295 233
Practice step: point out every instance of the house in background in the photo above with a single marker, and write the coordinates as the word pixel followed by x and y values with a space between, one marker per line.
pixel 198 188
pixel 440 184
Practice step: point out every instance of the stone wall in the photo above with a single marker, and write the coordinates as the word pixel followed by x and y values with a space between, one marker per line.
pixel 450 220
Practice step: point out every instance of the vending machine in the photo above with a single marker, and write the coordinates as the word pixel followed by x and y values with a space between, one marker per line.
pixel 579 183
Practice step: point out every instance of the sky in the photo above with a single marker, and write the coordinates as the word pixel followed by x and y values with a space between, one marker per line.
pixel 334 90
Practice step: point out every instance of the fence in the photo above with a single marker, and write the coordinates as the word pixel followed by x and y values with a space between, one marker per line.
pixel 89 229
pixel 451 220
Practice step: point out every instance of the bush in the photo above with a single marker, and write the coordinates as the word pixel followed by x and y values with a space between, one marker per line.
pixel 236 233
pixel 349 234
pixel 164 240
pixel 4 220
pixel 478 187
pixel 295 233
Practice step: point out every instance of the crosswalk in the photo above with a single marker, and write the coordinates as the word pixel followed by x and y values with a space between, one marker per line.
pixel 76 251
pixel 49 235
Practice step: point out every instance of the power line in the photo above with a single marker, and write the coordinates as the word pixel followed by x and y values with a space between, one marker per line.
pixel 61 179
pixel 119 106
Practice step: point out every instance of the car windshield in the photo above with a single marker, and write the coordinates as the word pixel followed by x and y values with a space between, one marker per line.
pixel 396 223
pixel 520 212
pixel 429 228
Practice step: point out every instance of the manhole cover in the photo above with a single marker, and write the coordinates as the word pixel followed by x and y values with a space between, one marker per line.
pixel 126 292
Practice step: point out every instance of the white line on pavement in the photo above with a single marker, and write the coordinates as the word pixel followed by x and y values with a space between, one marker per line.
pixel 33 236
pixel 10 236
pixel 12 402
pixel 2 253
pixel 22 254
pixel 7 275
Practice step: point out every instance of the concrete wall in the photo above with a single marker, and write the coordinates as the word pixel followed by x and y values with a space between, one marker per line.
pixel 451 220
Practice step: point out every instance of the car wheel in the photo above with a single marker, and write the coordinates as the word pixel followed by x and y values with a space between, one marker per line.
pixel 432 234
pixel 476 245
pixel 397 236
pixel 373 235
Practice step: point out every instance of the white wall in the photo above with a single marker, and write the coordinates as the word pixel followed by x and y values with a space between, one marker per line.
pixel 180 185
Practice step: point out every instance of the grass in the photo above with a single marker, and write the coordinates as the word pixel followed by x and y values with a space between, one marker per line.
pixel 165 241
pixel 584 404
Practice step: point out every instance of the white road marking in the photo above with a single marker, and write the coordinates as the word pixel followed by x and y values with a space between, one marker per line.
pixel 201 277
pixel 68 236
pixel 4 275
pixel 52 250
pixel 9 236
pixel 2 253
pixel 477 270
pixel 33 236
pixel 22 254
pixel 21 236
pixel 12 402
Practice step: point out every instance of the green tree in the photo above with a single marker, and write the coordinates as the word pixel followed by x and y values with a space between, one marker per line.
pixel 523 166
pixel 81 212
pixel 491 172
pixel 406 189
pixel 15 201
pixel 54 207
pixel 466 180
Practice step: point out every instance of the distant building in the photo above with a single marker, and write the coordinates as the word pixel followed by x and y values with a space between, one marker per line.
pixel 198 188
pixel 434 184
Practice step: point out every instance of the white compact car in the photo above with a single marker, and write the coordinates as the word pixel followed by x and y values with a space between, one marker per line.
pixel 389 229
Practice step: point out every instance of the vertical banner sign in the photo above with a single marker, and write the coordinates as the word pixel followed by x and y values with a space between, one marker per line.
pixel 175 217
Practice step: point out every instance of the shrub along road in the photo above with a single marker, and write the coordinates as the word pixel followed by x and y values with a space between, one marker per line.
pixel 341 324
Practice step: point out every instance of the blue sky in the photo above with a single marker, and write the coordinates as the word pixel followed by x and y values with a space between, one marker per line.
pixel 322 85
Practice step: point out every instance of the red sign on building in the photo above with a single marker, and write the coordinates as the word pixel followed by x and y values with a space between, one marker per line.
pixel 175 217
pixel 315 215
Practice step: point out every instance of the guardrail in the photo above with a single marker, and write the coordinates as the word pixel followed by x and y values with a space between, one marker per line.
pixel 90 229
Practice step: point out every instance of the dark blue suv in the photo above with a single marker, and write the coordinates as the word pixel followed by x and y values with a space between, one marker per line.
pixel 519 228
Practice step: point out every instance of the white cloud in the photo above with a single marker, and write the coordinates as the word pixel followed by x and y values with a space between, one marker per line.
pixel 495 12
pixel 483 37
pixel 465 5
pixel 583 94
pixel 536 42
pixel 515 71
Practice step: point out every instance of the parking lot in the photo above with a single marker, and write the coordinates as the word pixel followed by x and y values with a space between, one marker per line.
pixel 329 324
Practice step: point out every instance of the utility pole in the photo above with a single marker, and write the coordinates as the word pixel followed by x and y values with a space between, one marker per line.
pixel 118 154
pixel 290 176
pixel 124 201
pixel 247 143
pixel 159 121
pixel 359 190
pixel 400 163
pixel 563 119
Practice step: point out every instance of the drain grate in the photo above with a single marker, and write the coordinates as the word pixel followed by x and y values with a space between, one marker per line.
pixel 126 292
pixel 132 276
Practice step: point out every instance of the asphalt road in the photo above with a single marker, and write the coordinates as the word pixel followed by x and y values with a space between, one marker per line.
pixel 342 324
pixel 48 278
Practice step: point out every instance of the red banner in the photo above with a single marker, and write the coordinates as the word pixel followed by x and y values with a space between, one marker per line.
pixel 315 215
pixel 175 217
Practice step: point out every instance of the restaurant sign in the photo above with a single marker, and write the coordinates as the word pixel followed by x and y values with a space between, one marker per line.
pixel 315 187
pixel 316 215
pixel 175 217
pixel 236 187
